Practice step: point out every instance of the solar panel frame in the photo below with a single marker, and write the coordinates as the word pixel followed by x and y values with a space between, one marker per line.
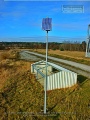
pixel 47 24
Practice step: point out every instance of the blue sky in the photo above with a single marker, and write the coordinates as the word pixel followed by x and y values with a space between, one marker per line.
pixel 22 20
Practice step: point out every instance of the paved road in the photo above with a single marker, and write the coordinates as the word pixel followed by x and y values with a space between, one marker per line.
pixel 74 64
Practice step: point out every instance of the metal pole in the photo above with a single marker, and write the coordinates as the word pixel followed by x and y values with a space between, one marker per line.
pixel 87 42
pixel 45 82
pixel 86 47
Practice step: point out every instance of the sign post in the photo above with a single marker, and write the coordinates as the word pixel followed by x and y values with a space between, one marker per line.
pixel 46 26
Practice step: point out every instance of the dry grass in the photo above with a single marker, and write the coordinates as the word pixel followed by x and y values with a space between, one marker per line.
pixel 73 54
pixel 8 54
pixel 22 96
pixel 12 68
pixel 4 55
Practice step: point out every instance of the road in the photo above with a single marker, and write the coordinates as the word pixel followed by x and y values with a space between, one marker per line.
pixel 29 57
pixel 78 66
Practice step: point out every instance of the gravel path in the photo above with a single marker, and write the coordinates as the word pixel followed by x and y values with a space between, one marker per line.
pixel 27 56
pixel 74 64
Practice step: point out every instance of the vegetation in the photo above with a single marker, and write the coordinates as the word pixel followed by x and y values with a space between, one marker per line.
pixel 22 96
pixel 11 54
pixel 65 45
pixel 4 55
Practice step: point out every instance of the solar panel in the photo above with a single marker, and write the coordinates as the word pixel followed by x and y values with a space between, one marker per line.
pixel 47 24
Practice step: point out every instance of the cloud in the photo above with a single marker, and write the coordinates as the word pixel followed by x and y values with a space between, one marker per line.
pixel 56 9
pixel 71 26
pixel 13 15
pixel 43 39
pixel 16 11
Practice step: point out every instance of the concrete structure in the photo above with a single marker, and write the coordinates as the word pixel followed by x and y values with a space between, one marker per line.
pixel 57 77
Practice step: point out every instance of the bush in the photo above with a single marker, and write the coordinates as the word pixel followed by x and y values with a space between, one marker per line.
pixel 53 48
pixel 2 48
pixel 61 49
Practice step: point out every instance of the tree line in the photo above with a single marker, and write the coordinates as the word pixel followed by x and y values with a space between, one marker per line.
pixel 66 45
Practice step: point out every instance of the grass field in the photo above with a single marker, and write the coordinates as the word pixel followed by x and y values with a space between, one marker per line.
pixel 68 55
pixel 22 96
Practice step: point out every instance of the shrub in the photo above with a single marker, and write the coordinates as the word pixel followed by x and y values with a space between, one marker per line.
pixel 61 49
pixel 53 48
pixel 2 48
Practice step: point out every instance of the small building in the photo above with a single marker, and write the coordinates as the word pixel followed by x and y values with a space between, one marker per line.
pixel 57 77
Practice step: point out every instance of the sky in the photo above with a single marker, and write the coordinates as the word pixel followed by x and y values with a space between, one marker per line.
pixel 21 20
